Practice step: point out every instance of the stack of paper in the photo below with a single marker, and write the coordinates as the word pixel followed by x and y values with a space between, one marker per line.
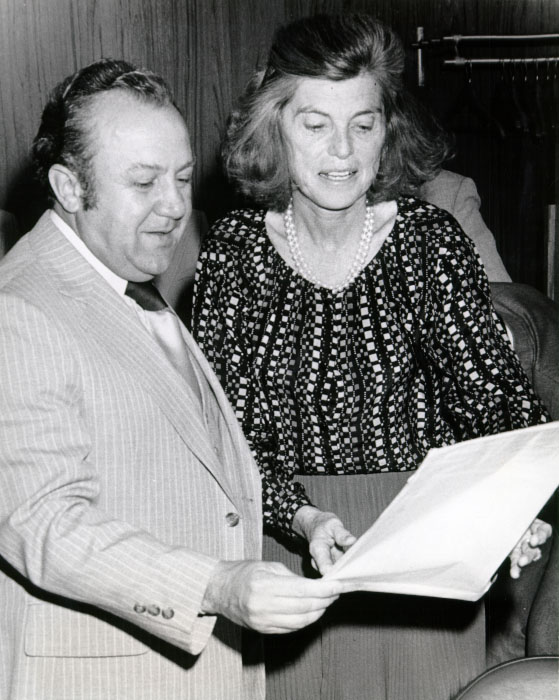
pixel 458 517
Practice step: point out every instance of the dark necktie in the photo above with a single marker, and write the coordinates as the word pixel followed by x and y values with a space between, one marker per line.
pixel 146 295
pixel 166 329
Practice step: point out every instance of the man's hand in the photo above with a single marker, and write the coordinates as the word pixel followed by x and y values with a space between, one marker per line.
pixel 528 548
pixel 267 596
pixel 327 537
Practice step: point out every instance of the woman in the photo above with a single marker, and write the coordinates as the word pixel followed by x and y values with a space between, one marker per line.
pixel 352 327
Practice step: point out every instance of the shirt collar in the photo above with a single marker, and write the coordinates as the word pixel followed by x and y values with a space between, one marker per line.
pixel 116 282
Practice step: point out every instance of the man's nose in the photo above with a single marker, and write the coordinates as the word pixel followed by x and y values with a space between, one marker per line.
pixel 173 202
pixel 341 144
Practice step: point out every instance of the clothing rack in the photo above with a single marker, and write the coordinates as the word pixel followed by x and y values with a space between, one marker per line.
pixel 456 39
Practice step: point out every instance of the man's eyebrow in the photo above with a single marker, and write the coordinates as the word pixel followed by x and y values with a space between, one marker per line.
pixel 158 168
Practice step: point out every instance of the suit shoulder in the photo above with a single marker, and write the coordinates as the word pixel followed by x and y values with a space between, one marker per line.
pixel 19 268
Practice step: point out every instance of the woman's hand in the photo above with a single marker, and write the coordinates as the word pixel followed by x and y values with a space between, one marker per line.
pixel 528 548
pixel 327 537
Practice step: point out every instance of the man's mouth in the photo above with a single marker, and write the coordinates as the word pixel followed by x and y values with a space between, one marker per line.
pixel 162 232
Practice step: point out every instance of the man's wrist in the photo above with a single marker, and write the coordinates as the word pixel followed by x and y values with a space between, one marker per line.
pixel 211 595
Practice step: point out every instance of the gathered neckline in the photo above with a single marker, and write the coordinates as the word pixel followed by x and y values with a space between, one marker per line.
pixel 319 287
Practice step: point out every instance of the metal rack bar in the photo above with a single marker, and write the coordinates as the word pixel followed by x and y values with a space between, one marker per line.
pixel 460 61
pixel 457 39
pixel 460 38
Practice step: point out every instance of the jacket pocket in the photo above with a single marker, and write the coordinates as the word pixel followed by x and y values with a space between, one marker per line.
pixel 52 630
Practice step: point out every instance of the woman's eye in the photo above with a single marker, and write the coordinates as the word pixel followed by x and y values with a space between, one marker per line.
pixel 184 181
pixel 364 127
pixel 314 127
pixel 143 185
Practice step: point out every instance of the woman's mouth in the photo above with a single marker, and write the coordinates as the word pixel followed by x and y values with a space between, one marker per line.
pixel 337 175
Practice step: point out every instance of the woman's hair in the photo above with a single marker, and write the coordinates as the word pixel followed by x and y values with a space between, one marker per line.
pixel 335 47
pixel 65 133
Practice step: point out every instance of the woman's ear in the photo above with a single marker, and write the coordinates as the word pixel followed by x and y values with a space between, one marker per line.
pixel 66 187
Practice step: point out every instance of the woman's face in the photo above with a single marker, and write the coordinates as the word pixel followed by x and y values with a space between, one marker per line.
pixel 334 133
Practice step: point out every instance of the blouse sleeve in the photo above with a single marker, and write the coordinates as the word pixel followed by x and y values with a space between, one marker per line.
pixel 485 388
pixel 221 324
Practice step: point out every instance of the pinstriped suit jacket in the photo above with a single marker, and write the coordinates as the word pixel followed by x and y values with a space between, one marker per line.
pixel 114 491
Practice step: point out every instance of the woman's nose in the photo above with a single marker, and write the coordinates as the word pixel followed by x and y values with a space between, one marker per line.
pixel 341 144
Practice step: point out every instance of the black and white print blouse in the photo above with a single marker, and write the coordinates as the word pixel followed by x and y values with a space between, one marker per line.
pixel 410 356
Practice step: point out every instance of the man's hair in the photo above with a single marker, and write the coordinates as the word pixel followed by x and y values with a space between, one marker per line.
pixel 65 133
pixel 334 47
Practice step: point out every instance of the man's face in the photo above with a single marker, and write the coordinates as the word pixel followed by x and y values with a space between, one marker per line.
pixel 141 171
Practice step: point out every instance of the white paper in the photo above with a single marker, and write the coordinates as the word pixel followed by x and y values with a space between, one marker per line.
pixel 458 517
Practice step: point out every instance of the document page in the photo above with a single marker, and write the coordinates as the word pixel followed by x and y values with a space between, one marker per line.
pixel 458 517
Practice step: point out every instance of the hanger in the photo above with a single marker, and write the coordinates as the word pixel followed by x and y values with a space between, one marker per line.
pixel 503 105
pixel 529 94
pixel 554 89
pixel 469 115
pixel 539 112
pixel 548 106
pixel 522 123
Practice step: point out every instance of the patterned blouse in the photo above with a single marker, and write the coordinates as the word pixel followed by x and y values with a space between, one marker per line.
pixel 410 356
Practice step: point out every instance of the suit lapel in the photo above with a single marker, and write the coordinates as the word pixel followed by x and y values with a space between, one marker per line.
pixel 107 320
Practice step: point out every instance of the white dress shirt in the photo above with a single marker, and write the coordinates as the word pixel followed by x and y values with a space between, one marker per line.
pixel 164 326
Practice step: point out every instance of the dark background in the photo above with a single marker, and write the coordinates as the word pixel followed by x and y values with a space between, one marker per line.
pixel 505 119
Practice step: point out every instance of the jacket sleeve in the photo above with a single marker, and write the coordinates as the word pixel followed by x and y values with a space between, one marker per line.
pixel 52 529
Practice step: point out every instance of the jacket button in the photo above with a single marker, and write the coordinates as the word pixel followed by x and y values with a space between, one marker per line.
pixel 139 608
pixel 168 613
pixel 232 519
pixel 153 609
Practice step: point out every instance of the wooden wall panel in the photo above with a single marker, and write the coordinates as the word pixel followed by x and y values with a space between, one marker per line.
pixel 44 42
pixel 207 49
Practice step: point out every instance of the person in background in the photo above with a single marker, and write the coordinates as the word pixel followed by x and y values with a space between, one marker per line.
pixel 130 504
pixel 352 327
pixel 459 196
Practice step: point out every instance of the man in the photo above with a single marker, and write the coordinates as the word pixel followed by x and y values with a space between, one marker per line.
pixel 130 506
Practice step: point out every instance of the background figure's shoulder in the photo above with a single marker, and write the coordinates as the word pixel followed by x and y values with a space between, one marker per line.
pixel 444 189
pixel 459 196
pixel 236 230
pixel 433 228
pixel 425 215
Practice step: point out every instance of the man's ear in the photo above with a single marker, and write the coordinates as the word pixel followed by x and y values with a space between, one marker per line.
pixel 66 187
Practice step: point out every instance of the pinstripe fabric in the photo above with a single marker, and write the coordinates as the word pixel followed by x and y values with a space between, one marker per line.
pixel 113 491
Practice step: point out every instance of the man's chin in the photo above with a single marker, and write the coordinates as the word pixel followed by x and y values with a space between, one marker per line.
pixel 157 266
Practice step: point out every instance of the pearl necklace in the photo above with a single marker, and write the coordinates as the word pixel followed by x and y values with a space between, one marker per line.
pixel 359 260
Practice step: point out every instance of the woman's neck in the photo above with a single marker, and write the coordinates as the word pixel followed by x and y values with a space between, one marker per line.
pixel 330 266
pixel 327 229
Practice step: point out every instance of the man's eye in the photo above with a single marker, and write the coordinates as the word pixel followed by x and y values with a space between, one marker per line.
pixel 143 185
